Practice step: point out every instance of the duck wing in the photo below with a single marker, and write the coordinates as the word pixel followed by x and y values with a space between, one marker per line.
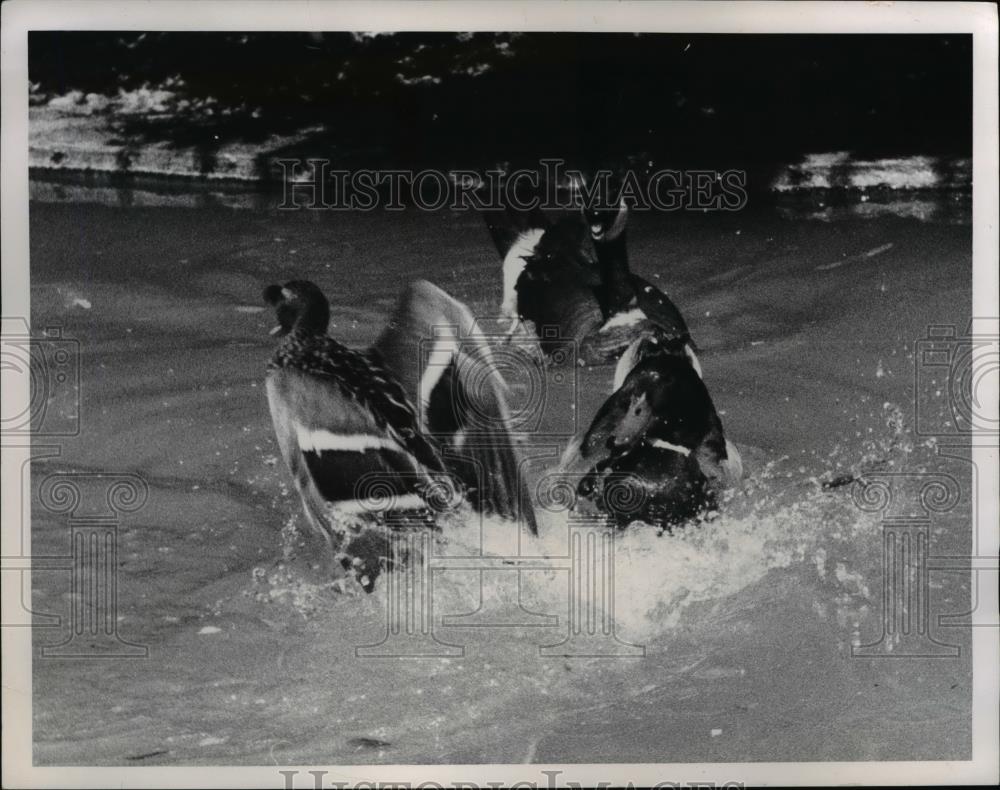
pixel 660 310
pixel 718 458
pixel 434 347
pixel 559 286
pixel 341 450
pixel 559 294
pixel 362 379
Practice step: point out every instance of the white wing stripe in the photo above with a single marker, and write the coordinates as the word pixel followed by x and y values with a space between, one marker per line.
pixel 694 360
pixel 665 445
pixel 356 506
pixel 441 356
pixel 317 440
pixel 626 363
pixel 630 318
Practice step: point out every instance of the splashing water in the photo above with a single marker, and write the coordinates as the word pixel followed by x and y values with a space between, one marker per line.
pixel 782 517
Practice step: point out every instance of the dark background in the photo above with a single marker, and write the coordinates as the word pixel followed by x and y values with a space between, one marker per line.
pixel 464 100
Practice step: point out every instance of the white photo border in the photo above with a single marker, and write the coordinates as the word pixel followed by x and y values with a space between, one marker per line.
pixel 20 16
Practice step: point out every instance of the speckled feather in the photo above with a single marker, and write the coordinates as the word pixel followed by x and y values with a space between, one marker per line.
pixel 360 377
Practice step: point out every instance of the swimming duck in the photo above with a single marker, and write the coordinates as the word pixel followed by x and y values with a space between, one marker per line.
pixel 633 306
pixel 548 279
pixel 655 451
pixel 421 416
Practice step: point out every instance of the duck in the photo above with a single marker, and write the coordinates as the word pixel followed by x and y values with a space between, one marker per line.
pixel 633 307
pixel 419 420
pixel 655 451
pixel 549 280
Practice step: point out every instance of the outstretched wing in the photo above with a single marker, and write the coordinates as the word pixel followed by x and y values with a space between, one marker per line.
pixel 435 350
pixel 555 292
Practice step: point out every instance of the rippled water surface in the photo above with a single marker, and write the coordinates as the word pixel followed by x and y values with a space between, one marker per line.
pixel 807 331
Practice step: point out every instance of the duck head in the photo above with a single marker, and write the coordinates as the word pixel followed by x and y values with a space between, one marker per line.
pixel 606 224
pixel 564 241
pixel 299 304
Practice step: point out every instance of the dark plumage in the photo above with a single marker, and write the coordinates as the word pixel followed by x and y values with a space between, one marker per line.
pixel 548 279
pixel 464 406
pixel 655 451
pixel 391 421
pixel 551 281
pixel 632 305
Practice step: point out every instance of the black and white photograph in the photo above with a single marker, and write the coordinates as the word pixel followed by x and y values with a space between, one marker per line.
pixel 460 393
